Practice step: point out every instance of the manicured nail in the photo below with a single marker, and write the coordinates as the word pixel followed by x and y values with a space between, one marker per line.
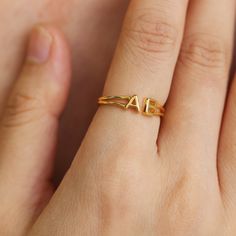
pixel 39 45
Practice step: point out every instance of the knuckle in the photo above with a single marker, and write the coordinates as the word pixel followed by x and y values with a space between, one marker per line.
pixel 204 51
pixel 147 33
pixel 178 195
pixel 116 180
pixel 21 109
pixel 120 179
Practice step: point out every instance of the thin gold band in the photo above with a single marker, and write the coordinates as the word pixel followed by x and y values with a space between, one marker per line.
pixel 150 107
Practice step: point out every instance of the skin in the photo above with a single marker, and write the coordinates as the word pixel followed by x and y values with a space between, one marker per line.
pixel 98 38
pixel 133 175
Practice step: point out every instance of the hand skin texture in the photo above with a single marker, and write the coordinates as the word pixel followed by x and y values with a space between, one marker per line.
pixel 133 175
pixel 91 28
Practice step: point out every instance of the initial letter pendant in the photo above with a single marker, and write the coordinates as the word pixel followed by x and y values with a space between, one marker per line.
pixel 133 103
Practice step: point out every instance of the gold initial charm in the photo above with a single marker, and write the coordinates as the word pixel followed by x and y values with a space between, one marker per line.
pixel 152 107
pixel 133 103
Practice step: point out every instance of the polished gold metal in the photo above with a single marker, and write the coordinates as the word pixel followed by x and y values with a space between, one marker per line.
pixel 150 106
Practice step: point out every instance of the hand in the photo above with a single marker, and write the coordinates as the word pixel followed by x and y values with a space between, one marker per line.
pixel 120 183
pixel 92 28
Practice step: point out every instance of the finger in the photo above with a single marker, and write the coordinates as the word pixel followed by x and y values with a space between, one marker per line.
pixel 196 102
pixel 143 64
pixel 28 130
pixel 227 151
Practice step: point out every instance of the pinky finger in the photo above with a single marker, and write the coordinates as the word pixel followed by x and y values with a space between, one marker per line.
pixel 28 130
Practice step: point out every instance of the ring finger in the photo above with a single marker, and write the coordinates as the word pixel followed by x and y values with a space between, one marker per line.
pixel 144 65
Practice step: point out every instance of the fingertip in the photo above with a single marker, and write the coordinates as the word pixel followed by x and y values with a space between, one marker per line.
pixel 60 65
pixel 60 54
pixel 48 66
pixel 40 45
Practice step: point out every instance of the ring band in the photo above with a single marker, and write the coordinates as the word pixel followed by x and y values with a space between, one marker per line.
pixel 151 107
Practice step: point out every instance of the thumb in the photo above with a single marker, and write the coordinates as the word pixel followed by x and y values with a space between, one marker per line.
pixel 28 130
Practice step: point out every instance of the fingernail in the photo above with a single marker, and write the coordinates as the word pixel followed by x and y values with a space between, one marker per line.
pixel 39 45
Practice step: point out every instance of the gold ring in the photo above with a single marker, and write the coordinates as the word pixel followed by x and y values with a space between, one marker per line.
pixel 150 107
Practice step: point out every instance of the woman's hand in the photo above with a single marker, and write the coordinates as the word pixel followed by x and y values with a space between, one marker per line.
pixel 120 182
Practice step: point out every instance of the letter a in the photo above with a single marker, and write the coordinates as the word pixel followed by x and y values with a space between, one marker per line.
pixel 133 103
